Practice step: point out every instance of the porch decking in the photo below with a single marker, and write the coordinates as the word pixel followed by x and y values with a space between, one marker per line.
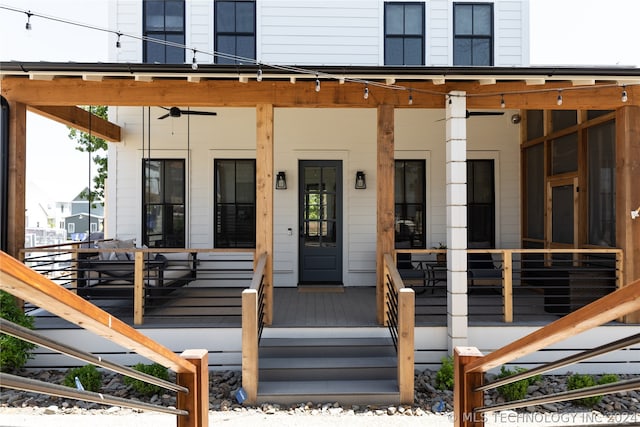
pixel 210 307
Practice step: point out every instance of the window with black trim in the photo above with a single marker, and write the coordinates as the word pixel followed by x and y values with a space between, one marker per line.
pixel 235 31
pixel 473 34
pixel 481 204
pixel 404 33
pixel 410 203
pixel 163 204
pixel 235 203
pixel 163 20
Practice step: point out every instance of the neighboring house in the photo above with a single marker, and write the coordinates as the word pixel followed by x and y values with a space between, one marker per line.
pixel 85 217
pixel 401 125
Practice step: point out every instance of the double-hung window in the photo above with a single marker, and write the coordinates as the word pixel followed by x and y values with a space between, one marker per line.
pixel 410 203
pixel 404 33
pixel 235 203
pixel 473 34
pixel 163 224
pixel 235 31
pixel 163 25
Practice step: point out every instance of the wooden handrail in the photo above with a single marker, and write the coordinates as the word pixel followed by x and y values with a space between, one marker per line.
pixel 251 331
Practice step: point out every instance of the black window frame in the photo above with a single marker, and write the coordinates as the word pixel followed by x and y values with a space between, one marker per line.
pixel 233 34
pixel 174 36
pixel 404 36
pixel 402 207
pixel 223 238
pixel 474 37
pixel 484 225
pixel 169 238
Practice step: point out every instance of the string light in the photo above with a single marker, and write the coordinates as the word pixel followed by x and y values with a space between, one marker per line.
pixel 317 84
pixel 27 26
pixel 502 103
pixel 194 63
pixel 624 97
pixel 366 91
pixel 118 45
pixel 559 99
pixel 259 76
pixel 410 97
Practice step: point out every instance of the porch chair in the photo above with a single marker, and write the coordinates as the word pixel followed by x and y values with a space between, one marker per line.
pixel 411 273
pixel 481 267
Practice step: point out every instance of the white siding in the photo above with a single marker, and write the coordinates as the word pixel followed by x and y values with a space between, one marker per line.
pixel 511 33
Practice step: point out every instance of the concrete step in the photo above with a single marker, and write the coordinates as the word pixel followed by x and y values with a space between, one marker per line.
pixel 346 392
pixel 326 347
pixel 328 368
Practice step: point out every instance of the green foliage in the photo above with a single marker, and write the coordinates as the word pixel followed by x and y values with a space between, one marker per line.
pixel 14 352
pixel 145 388
pixel 578 381
pixel 518 389
pixel 87 143
pixel 88 375
pixel 444 376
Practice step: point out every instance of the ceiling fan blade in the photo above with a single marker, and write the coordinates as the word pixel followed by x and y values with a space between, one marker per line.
pixel 200 113
pixel 485 113
pixel 163 117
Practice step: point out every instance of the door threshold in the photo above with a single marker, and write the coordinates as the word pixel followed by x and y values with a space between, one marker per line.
pixel 327 288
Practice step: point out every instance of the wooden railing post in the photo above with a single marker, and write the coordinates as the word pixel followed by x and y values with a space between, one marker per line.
pixel 138 289
pixel 406 323
pixel 465 398
pixel 507 288
pixel 197 401
pixel 250 344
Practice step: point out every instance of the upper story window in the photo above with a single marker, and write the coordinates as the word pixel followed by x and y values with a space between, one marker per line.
pixel 473 34
pixel 163 20
pixel 235 31
pixel 404 33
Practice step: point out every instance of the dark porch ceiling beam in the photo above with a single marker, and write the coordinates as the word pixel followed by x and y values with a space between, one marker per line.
pixel 232 93
pixel 78 118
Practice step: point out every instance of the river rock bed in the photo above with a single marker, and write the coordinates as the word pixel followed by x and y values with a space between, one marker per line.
pixel 223 386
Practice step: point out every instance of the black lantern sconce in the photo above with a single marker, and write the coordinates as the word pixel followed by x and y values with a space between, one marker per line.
pixel 281 181
pixel 361 180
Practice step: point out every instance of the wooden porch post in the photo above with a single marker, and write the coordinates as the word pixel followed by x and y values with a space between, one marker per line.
pixel 385 199
pixel 628 193
pixel 17 177
pixel 264 200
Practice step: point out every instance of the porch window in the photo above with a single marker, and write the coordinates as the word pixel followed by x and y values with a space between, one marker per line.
pixel 235 203
pixel 481 203
pixel 404 33
pixel 601 158
pixel 163 225
pixel 235 30
pixel 410 206
pixel 473 34
pixel 163 20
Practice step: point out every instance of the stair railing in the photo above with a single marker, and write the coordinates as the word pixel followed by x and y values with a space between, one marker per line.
pixel 470 364
pixel 399 316
pixel 253 320
pixel 192 374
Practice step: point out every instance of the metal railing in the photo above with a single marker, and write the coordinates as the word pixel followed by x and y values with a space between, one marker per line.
pixel 253 322
pixel 191 367
pixel 399 317
pixel 470 365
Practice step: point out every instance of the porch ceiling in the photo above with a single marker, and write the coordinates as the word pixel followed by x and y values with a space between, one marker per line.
pixel 70 84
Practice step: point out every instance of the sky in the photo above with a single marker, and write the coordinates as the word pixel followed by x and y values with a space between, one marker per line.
pixel 562 32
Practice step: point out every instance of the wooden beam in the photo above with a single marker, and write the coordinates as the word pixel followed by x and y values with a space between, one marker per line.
pixel 628 193
pixel 78 118
pixel 264 200
pixel 28 285
pixel 17 177
pixel 385 199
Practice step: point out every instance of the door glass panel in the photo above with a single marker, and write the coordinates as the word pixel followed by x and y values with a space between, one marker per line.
pixel 320 208
pixel 562 214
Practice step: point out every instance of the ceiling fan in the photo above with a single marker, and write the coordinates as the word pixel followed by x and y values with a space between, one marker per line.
pixel 177 112
pixel 480 113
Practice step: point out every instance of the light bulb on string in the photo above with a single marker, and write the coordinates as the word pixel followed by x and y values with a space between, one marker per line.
pixel 410 97
pixel 559 99
pixel 259 76
pixel 624 97
pixel 118 45
pixel 27 26
pixel 502 103
pixel 366 92
pixel 317 84
pixel 194 63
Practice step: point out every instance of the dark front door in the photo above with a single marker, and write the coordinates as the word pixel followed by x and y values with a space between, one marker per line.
pixel 320 202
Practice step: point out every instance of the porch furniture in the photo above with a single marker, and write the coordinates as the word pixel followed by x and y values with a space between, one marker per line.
pixel 411 272
pixel 482 269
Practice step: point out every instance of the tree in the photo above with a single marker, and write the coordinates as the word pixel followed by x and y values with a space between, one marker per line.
pixel 87 143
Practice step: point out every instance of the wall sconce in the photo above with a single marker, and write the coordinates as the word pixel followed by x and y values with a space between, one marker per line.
pixel 361 180
pixel 281 181
pixel 635 214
